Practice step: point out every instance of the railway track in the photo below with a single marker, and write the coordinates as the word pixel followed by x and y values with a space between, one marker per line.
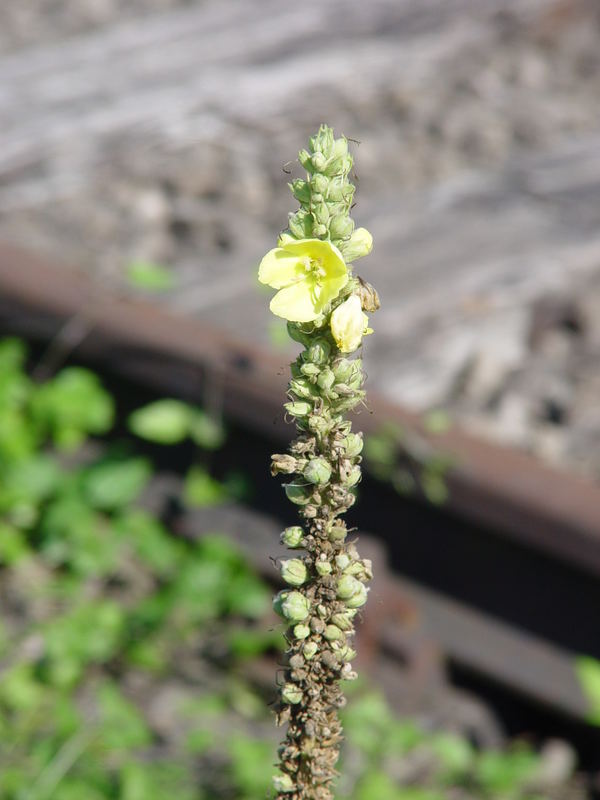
pixel 503 579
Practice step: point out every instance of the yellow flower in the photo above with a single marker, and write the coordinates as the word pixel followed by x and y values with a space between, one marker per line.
pixel 349 324
pixel 309 274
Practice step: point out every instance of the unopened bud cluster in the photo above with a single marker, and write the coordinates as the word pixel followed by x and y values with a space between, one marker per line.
pixel 326 580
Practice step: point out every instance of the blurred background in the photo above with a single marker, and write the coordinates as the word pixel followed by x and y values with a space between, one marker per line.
pixel 146 150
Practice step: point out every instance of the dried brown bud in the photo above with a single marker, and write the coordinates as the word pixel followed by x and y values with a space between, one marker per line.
pixel 369 299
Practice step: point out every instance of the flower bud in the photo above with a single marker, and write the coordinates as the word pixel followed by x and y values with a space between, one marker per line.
pixel 369 299
pixel 318 161
pixel 292 537
pixel 353 476
pixel 347 587
pixel 341 226
pixel 318 424
pixel 300 190
pixel 343 651
pixel 310 511
pixel 340 147
pixel 299 408
pixel 291 693
pixel 347 673
pixel 281 462
pixel 359 598
pixel 296 333
pixel 323 141
pixel 342 370
pixel 283 784
pixel 353 445
pixel 333 633
pixel 337 533
pixel 358 245
pixel 301 631
pixel 344 620
pixel 294 606
pixel 317 625
pixel 339 190
pixel 342 561
pixel 310 370
pixel 298 493
pixel 317 470
pixel 323 568
pixel 319 184
pixel 305 158
pixel 338 165
pixel 321 213
pixel 300 224
pixel 349 324
pixel 319 230
pixel 309 650
pixel 326 379
pixel 293 571
pixel 318 352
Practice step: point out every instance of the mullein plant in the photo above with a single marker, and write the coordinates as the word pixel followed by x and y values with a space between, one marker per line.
pixel 324 304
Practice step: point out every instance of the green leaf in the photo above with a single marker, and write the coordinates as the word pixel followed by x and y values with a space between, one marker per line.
pixel 164 421
pixel 456 755
pixel 587 671
pixel 251 765
pixel 201 489
pixel 149 276
pixel 505 772
pixel 115 484
pixel 123 726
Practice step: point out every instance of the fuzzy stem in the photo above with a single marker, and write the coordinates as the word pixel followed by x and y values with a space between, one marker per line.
pixel 327 582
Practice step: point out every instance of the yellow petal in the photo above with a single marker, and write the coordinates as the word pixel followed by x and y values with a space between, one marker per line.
pixel 349 324
pixel 295 303
pixel 280 268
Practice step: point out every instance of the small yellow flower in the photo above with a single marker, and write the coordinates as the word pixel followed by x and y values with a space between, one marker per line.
pixel 349 324
pixel 309 274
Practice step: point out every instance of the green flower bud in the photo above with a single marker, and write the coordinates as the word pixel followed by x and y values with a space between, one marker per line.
pixel 340 147
pixel 292 537
pixel 358 245
pixel 341 226
pixel 359 598
pixel 317 471
pixel 333 633
pixel 323 568
pixel 319 184
pixel 318 424
pixel 318 352
pixel 342 561
pixel 302 388
pixel 319 161
pixel 301 190
pixel 293 571
pixel 353 445
pixel 338 190
pixel 344 620
pixel 337 533
pixel 343 651
pixel 323 141
pixel 337 165
pixel 326 379
pixel 301 631
pixel 353 476
pixel 310 650
pixel 319 230
pixel 298 493
pixel 300 224
pixel 281 462
pixel 300 408
pixel 283 784
pixel 294 606
pixel 342 370
pixel 305 158
pixel 347 587
pixel 310 370
pixel 291 693
pixel 321 213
